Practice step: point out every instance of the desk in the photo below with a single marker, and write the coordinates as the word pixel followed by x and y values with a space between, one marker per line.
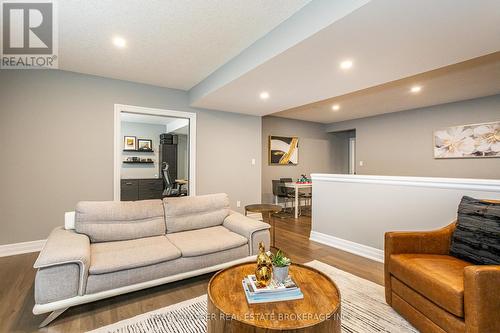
pixel 297 186
pixel 181 183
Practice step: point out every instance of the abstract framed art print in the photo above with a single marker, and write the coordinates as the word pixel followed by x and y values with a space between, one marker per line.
pixel 283 150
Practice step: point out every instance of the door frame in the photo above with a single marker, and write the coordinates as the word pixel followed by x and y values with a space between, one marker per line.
pixel 352 155
pixel 117 146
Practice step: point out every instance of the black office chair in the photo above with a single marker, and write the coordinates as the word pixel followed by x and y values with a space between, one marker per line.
pixel 171 188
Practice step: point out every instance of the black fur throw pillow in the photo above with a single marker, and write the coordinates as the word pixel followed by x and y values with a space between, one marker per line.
pixel 477 236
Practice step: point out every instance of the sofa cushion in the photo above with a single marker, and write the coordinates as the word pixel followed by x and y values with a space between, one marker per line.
pixel 439 278
pixel 477 236
pixel 204 241
pixel 438 315
pixel 189 213
pixel 163 270
pixel 116 256
pixel 105 221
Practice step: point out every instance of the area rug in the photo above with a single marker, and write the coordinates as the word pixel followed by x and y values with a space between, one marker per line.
pixel 363 311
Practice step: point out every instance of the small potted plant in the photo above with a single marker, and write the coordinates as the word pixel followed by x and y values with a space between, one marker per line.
pixel 280 266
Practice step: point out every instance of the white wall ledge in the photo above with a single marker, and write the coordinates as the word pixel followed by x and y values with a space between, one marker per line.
pixel 353 212
pixel 487 185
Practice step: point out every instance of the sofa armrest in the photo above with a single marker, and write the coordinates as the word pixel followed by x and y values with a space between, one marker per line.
pixel 255 231
pixel 482 298
pixel 66 247
pixel 429 242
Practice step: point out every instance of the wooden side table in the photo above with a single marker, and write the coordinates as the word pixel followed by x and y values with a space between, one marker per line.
pixel 229 311
pixel 267 211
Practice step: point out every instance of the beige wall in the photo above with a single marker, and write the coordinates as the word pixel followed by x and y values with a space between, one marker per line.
pixel 142 131
pixel 315 151
pixel 56 145
pixel 401 144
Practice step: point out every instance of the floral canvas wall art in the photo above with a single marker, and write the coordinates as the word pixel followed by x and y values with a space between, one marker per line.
pixel 468 141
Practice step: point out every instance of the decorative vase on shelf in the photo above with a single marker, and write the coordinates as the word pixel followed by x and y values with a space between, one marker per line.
pixel 264 270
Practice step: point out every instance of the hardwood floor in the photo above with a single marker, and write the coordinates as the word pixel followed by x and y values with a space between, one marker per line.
pixel 17 276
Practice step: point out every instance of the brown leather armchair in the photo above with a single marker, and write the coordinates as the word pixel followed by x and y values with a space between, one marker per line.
pixel 436 292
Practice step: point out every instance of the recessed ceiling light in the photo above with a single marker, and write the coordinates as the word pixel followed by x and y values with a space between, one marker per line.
pixel 119 42
pixel 346 64
pixel 264 95
pixel 335 107
pixel 416 89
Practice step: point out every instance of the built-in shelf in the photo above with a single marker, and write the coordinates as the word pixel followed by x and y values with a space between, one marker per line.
pixel 138 162
pixel 139 151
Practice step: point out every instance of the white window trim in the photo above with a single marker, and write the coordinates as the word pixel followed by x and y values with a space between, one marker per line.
pixel 119 108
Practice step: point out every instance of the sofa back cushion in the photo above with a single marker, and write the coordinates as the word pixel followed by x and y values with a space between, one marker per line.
pixel 476 238
pixel 105 221
pixel 197 212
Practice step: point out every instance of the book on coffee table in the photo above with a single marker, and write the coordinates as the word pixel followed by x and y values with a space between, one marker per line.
pixel 275 292
pixel 273 286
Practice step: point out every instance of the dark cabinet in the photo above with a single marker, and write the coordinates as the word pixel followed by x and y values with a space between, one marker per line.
pixel 168 154
pixel 129 189
pixel 141 189
pixel 150 189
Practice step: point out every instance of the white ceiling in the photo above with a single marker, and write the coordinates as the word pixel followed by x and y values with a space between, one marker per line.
pixel 170 43
pixel 470 79
pixel 227 52
pixel 388 40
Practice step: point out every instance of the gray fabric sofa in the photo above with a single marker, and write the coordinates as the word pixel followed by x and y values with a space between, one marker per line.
pixel 109 248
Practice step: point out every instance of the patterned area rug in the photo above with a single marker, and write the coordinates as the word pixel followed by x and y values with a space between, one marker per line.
pixel 363 311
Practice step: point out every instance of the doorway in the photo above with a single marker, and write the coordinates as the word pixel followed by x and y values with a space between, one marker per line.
pixel 154 153
pixel 343 155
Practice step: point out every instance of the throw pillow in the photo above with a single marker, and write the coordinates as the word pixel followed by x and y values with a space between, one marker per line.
pixel 476 238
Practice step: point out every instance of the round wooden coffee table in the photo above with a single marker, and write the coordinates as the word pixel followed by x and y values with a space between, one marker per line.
pixel 228 310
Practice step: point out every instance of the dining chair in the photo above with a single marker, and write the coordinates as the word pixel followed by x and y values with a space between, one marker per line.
pixel 279 192
pixel 290 192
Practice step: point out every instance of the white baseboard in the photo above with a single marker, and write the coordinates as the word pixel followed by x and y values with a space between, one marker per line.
pixel 348 246
pixel 19 248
